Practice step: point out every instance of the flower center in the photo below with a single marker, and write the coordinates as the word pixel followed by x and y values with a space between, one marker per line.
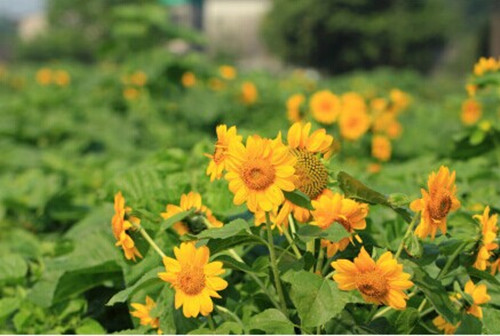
pixel 312 176
pixel 372 284
pixel 191 279
pixel 258 174
pixel 325 105
pixel 439 206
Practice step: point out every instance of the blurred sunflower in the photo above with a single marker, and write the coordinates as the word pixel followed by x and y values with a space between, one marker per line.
pixel 249 93
pixel 471 111
pixel 195 223
pixel 489 231
pixel 293 107
pixel 120 223
pixel 381 282
pixel 188 79
pixel 325 107
pixel 436 203
pixel 484 65
pixel 61 78
pixel 227 72
pixel 194 279
pixel 44 76
pixel 381 148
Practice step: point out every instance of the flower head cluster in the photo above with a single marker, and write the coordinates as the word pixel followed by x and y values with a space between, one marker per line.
pixel 380 282
pixel 120 223
pixel 471 111
pixel 143 313
pixel 485 65
pixel 46 76
pixel 436 203
pixel 198 221
pixel 194 279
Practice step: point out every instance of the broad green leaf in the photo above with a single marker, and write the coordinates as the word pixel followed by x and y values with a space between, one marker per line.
pixel 230 262
pixel 469 325
pixel 477 137
pixel 406 320
pixel 229 230
pixel 272 321
pixel 148 278
pixel 436 294
pixel 8 306
pixel 474 272
pixel 164 310
pixel 218 245
pixel 12 268
pixel 491 320
pixel 413 246
pixel 229 327
pixel 355 189
pixel 317 299
pixel 333 233
pixel 298 198
pixel 175 218
pixel 90 327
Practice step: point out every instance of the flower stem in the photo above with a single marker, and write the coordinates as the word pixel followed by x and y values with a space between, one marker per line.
pixel 149 240
pixel 450 260
pixel 274 265
pixel 211 323
pixel 409 230
pixel 321 257
pixel 230 313
pixel 292 243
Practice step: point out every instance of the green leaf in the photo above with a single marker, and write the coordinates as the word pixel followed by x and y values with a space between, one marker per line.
pixel 90 327
pixel 413 246
pixel 333 233
pixel 298 198
pixel 230 262
pixel 229 230
pixel 12 268
pixel 150 277
pixel 436 294
pixel 477 137
pixel 491 320
pixel 355 189
pixel 474 272
pixel 272 321
pixel 164 310
pixel 175 218
pixel 229 327
pixel 8 306
pixel 218 245
pixel 470 325
pixel 317 299
pixel 407 320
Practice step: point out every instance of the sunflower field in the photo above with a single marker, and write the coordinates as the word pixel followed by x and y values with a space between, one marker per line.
pixel 173 194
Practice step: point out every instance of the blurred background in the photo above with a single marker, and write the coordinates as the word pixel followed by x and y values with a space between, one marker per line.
pixel 334 36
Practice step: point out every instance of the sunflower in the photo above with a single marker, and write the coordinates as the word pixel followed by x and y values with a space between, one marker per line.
pixel 353 123
pixel 293 106
pixel 471 89
pixel 120 223
pixel 442 324
pixel 436 203
pixel 194 279
pixel 325 107
pixel 192 224
pixel 381 148
pixel 486 65
pixel 276 221
pixel 227 72
pixel 224 138
pixel 334 208
pixel 131 93
pixel 61 78
pixel 400 100
pixel 479 296
pixel 259 172
pixel 139 78
pixel 489 231
pixel 188 79
pixel 143 312
pixel 311 175
pixel 249 93
pixel 495 266
pixel 471 111
pixel 44 76
pixel 381 282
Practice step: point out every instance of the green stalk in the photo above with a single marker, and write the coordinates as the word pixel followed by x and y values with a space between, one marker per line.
pixel 149 240
pixel 274 266
pixel 292 243
pixel 409 230
pixel 321 257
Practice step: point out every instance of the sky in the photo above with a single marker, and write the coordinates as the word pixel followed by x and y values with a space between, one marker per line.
pixel 19 8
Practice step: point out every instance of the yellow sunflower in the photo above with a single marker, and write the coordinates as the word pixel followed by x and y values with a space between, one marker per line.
pixel 436 203
pixel 311 175
pixel 381 148
pixel 471 112
pixel 381 282
pixel 192 224
pixel 224 138
pixel 276 221
pixel 471 89
pixel 194 279
pixel 325 107
pixel 249 93
pixel 293 106
pixel 353 123
pixel 489 231
pixel 486 65
pixel 188 79
pixel 495 266
pixel 445 326
pixel 143 312
pixel 120 223
pixel 479 296
pixel 139 78
pixel 227 72
pixel 44 76
pixel 61 78
pixel 334 208
pixel 259 172
pixel 400 100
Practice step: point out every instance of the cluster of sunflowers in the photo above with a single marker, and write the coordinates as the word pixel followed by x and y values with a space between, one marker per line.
pixel 248 94
pixel 355 116
pixel 482 87
pixel 286 185
pixel 46 76
pixel 133 85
